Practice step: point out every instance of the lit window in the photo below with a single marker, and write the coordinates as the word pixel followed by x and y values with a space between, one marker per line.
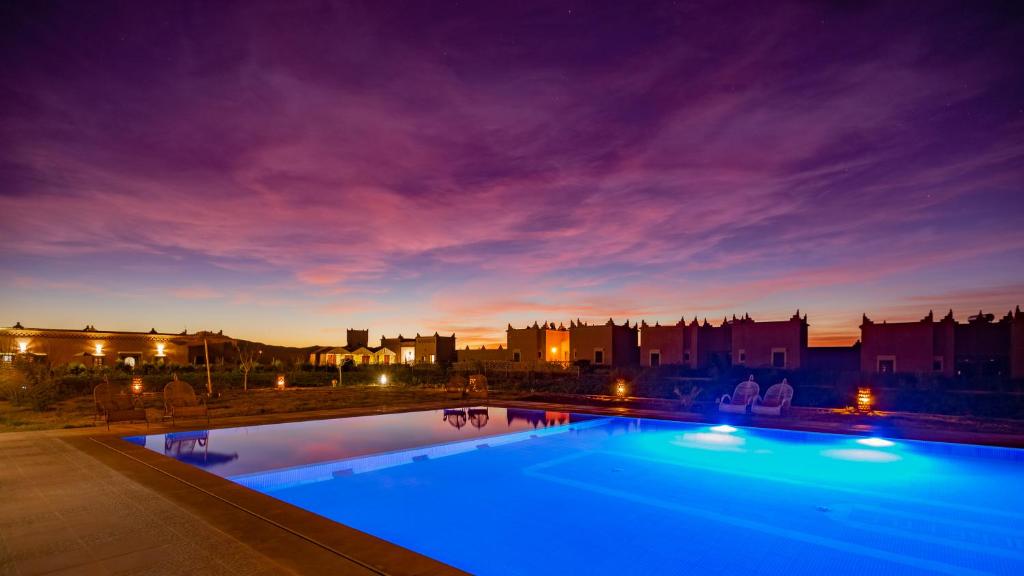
pixel 886 364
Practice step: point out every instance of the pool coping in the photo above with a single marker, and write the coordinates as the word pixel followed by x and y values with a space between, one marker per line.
pixel 294 537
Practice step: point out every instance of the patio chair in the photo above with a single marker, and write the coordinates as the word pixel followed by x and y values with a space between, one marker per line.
pixel 776 400
pixel 456 388
pixel 113 405
pixel 180 401
pixel 740 398
pixel 476 386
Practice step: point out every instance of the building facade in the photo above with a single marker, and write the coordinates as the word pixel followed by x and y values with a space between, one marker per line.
pixel 94 348
pixel 538 343
pixel 925 346
pixel 607 344
pixel 663 344
pixel 778 344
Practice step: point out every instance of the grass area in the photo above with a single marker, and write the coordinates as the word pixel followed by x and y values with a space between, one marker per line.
pixel 79 412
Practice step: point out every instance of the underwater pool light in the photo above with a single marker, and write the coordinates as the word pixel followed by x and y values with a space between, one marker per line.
pixel 875 442
pixel 723 429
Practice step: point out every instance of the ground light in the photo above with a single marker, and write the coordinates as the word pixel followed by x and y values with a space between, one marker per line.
pixel 620 388
pixel 383 379
pixel 281 382
pixel 864 399
pixel 723 429
pixel 875 442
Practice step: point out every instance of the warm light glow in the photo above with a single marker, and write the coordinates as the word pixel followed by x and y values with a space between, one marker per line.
pixel 280 382
pixel 864 399
pixel 383 379
pixel 723 428
pixel 23 347
pixel 160 349
pixel 875 442
pixel 137 385
pixel 620 388
pixel 554 349
pixel 99 350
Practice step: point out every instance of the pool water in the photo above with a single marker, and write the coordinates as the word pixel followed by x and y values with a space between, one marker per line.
pixel 507 491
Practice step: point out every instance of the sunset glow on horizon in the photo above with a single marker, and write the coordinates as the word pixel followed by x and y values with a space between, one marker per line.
pixel 285 172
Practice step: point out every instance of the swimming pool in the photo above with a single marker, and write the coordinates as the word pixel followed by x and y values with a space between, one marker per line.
pixel 511 491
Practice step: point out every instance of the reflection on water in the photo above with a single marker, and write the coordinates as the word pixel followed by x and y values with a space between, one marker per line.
pixel 256 448
pixel 458 417
pixel 455 416
pixel 478 417
pixel 538 418
pixel 183 446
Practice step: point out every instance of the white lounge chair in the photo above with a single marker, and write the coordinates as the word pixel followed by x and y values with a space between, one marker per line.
pixel 776 399
pixel 741 397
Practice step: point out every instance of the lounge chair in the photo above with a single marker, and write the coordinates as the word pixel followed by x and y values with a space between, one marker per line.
pixel 180 401
pixel 776 400
pixel 740 398
pixel 686 400
pixel 113 405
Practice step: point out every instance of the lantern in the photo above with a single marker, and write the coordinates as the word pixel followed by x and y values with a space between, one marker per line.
pixel 864 399
pixel 137 385
pixel 383 379
pixel 620 388
pixel 22 347
pixel 280 382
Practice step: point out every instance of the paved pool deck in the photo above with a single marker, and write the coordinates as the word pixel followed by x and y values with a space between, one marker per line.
pixel 85 502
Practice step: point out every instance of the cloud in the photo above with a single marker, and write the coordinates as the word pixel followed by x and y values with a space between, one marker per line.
pixel 494 168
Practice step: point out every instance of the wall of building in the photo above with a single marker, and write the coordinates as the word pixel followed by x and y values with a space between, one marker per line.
pixel 440 348
pixel 619 344
pixel 483 354
pixel 708 345
pixel 915 346
pixel 758 342
pixel 538 343
pixel 667 341
pixel 833 358
pixel 92 347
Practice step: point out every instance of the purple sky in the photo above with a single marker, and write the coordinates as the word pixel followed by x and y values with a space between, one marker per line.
pixel 283 171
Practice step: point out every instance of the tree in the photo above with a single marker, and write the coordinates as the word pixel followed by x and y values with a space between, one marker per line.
pixel 247 360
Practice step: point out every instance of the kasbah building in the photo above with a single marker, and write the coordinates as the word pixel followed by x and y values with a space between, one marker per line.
pixel 981 346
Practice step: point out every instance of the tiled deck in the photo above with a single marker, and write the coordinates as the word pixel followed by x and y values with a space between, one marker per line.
pixel 66 513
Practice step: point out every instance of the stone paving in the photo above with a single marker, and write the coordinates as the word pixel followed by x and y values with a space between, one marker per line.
pixel 63 512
